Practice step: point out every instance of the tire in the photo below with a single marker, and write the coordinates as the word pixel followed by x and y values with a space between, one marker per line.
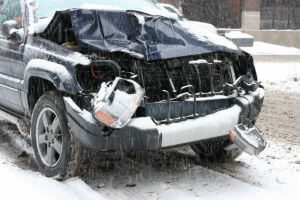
pixel 213 150
pixel 58 154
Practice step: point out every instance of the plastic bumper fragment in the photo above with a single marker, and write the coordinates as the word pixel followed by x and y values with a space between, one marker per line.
pixel 249 140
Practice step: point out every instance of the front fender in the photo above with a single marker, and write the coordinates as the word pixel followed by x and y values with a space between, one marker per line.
pixel 59 75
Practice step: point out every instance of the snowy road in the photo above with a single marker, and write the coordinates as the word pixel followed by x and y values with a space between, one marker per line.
pixel 177 173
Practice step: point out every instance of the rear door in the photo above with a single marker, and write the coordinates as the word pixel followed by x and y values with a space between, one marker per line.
pixel 11 59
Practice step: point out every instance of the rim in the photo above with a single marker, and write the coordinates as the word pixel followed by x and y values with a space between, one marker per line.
pixel 49 137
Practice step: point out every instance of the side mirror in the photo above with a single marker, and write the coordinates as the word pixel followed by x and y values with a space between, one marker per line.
pixel 10 31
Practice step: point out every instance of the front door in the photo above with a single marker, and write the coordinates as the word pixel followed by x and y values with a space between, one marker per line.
pixel 11 59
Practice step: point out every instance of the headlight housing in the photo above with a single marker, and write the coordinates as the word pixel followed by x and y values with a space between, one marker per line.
pixel 117 102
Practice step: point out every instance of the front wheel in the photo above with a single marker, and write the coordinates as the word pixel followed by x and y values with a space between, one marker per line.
pixel 58 154
pixel 213 150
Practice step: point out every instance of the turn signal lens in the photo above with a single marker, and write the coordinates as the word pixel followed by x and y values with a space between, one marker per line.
pixel 105 117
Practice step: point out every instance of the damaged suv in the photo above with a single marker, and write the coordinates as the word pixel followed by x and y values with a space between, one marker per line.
pixel 122 76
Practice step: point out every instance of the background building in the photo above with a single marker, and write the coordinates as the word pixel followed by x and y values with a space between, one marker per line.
pixel 266 20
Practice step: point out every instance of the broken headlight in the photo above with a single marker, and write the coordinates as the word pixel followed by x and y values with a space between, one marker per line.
pixel 117 102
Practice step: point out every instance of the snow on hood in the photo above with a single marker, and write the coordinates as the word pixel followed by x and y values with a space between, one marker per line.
pixel 204 32
pixel 204 27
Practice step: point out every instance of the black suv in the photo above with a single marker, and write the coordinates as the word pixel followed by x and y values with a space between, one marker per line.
pixel 121 76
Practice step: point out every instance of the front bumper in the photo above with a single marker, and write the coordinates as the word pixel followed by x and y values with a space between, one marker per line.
pixel 145 134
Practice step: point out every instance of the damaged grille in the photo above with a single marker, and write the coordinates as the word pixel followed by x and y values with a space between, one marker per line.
pixel 172 89
pixel 202 77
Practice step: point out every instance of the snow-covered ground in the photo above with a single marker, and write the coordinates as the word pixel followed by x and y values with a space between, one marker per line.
pixel 284 76
pixel 20 179
pixel 17 183
pixel 175 174
pixel 262 48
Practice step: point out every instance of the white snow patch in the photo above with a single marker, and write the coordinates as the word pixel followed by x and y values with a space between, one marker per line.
pixel 279 76
pixel 20 184
pixel 198 62
pixel 40 26
pixel 278 173
pixel 17 183
pixel 204 34
pixel 238 34
pixel 261 48
pixel 140 18
pixel 71 57
pixel 201 26
pixel 58 69
pixel 133 53
pixel 100 7
pixel 80 58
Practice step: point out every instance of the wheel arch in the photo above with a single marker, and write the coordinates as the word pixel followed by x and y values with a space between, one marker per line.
pixel 41 76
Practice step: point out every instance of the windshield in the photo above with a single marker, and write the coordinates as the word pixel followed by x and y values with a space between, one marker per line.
pixel 48 8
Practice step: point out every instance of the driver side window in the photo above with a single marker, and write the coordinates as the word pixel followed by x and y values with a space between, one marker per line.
pixel 10 10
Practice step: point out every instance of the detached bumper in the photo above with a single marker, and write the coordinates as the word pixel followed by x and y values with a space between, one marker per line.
pixel 144 134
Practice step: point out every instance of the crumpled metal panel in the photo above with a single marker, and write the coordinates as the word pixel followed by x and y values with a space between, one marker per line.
pixel 152 38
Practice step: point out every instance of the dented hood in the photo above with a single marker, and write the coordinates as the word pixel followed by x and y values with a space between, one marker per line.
pixel 141 35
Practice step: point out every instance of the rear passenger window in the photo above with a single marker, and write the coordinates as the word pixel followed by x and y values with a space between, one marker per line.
pixel 10 10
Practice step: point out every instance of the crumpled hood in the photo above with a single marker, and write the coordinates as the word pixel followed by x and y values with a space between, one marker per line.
pixel 141 35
